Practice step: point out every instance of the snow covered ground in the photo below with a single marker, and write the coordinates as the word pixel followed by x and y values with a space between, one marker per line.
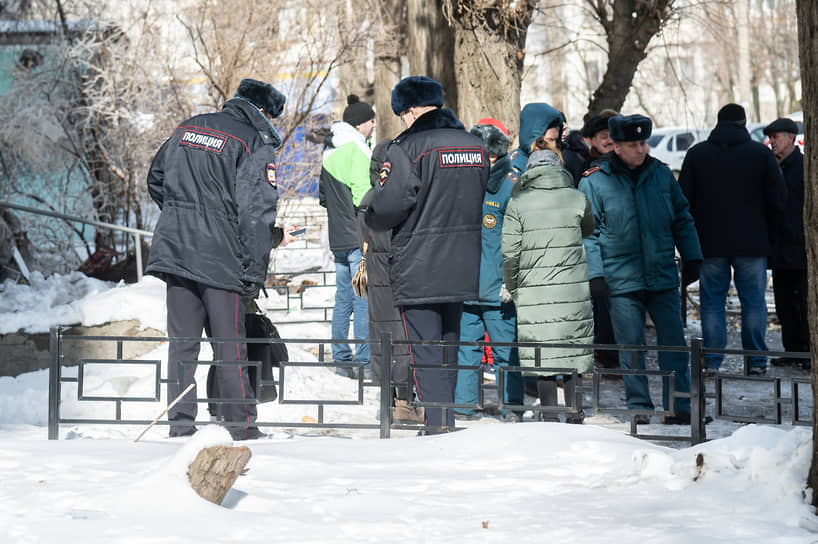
pixel 528 482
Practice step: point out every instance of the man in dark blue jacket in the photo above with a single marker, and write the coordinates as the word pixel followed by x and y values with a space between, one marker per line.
pixel 430 193
pixel 736 192
pixel 641 217
pixel 215 181
pixel 789 258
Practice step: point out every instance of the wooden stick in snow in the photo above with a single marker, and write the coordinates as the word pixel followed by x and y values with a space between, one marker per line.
pixel 165 411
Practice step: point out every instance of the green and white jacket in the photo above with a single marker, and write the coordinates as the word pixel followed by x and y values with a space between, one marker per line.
pixel 343 183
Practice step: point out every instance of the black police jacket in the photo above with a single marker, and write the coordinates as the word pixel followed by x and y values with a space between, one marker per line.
pixel 215 182
pixel 430 193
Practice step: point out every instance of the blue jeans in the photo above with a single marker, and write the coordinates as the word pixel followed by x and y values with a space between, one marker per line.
pixel 750 278
pixel 628 318
pixel 501 324
pixel 346 305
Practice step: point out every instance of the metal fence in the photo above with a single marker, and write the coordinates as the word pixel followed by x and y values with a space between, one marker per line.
pixel 587 384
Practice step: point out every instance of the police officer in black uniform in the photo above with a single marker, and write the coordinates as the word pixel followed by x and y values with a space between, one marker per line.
pixel 430 193
pixel 215 181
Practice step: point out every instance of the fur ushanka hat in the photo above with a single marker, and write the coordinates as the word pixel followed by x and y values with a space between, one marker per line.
pixel 416 91
pixel 493 134
pixel 262 95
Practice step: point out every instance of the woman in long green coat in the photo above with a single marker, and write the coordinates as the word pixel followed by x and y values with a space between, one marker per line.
pixel 545 270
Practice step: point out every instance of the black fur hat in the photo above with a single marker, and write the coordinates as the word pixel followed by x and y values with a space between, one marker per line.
pixel 493 137
pixel 416 91
pixel 595 124
pixel 262 95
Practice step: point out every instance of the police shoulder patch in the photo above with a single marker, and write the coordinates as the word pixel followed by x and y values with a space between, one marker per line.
pixel 271 174
pixel 590 171
pixel 383 175
pixel 489 221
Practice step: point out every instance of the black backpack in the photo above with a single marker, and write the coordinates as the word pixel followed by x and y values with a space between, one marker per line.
pixel 269 355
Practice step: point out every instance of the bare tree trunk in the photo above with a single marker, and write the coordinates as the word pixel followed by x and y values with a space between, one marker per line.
pixel 488 59
pixel 431 47
pixel 808 45
pixel 628 28
pixel 391 27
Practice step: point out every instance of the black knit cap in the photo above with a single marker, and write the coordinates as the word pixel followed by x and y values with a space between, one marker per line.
pixel 732 113
pixel 262 95
pixel 357 112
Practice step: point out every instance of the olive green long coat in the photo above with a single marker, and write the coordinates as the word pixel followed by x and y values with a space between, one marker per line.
pixel 545 269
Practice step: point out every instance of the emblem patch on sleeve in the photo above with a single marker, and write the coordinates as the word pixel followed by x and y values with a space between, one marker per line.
pixel 489 221
pixel 460 158
pixel 203 140
pixel 383 175
pixel 271 174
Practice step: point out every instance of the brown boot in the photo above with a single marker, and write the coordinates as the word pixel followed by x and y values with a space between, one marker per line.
pixel 403 414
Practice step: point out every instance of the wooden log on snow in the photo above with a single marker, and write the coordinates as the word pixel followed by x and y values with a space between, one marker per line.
pixel 216 469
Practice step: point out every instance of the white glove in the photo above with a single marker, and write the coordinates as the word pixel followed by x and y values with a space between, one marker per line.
pixel 505 295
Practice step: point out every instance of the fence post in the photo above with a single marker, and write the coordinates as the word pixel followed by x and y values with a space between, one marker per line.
pixel 54 386
pixel 697 393
pixel 386 383
pixel 138 240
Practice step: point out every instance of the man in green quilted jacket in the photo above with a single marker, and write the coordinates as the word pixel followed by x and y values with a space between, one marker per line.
pixel 641 217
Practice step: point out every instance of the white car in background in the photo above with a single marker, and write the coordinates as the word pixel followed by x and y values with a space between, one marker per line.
pixel 670 145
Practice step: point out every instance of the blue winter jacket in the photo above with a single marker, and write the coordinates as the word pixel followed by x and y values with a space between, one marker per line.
pixel 534 120
pixel 498 193
pixel 637 225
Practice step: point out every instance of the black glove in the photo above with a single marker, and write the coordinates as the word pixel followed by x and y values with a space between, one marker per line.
pixel 690 272
pixel 599 288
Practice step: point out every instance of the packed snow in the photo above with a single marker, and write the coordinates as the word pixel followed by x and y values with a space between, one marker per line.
pixel 491 482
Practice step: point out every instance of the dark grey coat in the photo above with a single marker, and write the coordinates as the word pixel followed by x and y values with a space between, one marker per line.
pixel 214 180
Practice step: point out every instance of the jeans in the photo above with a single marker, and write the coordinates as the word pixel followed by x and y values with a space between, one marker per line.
pixel 346 305
pixel 501 324
pixel 750 278
pixel 628 318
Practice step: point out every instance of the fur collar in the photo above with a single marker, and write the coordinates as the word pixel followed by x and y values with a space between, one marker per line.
pixel 498 173
pixel 437 118
pixel 244 109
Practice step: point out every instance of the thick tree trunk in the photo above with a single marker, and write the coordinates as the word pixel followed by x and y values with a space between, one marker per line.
pixel 628 29
pixel 808 45
pixel 488 70
pixel 388 66
pixel 431 47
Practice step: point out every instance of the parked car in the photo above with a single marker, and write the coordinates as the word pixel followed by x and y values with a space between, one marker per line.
pixel 670 144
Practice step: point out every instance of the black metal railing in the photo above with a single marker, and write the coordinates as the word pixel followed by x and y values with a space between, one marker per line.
pixel 698 394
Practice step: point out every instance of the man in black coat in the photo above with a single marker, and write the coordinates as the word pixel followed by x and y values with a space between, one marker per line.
pixel 789 258
pixel 215 182
pixel 430 193
pixel 384 317
pixel 736 193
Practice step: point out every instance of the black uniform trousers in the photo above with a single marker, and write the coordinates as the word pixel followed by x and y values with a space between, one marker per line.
pixel 603 331
pixel 790 290
pixel 190 305
pixel 440 321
